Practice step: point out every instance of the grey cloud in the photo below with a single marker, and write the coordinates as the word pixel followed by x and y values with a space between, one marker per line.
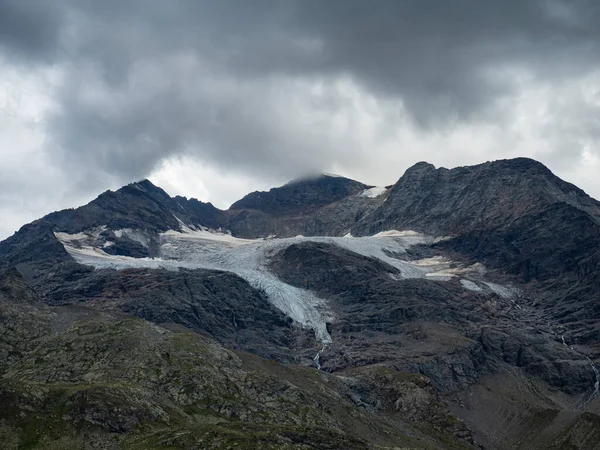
pixel 437 58
pixel 231 82
pixel 30 30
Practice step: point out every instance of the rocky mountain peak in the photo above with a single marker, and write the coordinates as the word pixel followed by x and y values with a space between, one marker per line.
pixel 420 167
pixel 301 194
pixel 449 202
pixel 147 187
pixel 520 164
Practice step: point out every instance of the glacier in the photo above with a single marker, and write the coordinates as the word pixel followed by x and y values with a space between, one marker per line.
pixel 200 248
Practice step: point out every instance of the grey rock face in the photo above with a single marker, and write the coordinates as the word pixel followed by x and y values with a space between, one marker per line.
pixel 300 195
pixel 216 304
pixel 424 326
pixel 446 202
pixel 323 206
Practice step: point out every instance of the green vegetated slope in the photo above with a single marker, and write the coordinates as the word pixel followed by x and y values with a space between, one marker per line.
pixel 73 377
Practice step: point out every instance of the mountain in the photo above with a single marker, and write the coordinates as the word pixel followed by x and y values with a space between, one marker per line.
pixel 512 215
pixel 300 195
pixel 487 196
pixel 454 309
pixel 319 206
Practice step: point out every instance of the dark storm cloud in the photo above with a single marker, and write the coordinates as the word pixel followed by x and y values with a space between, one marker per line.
pixel 441 56
pixel 436 51
pixel 30 29
pixel 232 82
pixel 443 60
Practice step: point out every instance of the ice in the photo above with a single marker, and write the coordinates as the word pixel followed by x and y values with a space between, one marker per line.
pixel 373 192
pixel 249 258
pixel 89 235
pixel 397 233
pixel 471 286
pixel 507 293
pixel 192 248
pixel 135 235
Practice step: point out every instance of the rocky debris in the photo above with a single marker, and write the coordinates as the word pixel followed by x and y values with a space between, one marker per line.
pixel 558 263
pixel 23 318
pixel 409 396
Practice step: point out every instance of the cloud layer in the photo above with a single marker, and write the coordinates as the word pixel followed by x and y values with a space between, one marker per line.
pixel 216 98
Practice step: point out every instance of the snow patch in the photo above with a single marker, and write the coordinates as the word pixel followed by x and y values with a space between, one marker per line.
pixel 89 235
pixel 428 262
pixel 451 272
pixel 138 187
pixel 397 233
pixel 471 286
pixel 504 292
pixel 373 192
pixel 96 257
pixel 204 235
pixel 135 235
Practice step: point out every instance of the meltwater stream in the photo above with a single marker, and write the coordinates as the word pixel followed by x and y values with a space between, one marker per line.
pixel 594 369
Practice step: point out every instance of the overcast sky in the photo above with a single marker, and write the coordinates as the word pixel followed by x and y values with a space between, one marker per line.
pixel 213 99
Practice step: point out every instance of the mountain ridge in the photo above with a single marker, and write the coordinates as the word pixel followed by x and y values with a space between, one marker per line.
pixel 490 299
pixel 255 201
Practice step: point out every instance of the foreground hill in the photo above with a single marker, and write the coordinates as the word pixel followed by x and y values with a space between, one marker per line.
pixel 74 377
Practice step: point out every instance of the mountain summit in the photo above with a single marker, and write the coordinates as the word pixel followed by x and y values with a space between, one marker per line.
pixel 489 195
